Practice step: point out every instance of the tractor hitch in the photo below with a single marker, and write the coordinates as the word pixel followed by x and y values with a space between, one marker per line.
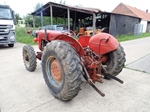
pixel 93 85
pixel 111 76
pixel 89 80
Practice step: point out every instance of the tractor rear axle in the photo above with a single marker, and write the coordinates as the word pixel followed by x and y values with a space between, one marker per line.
pixel 92 66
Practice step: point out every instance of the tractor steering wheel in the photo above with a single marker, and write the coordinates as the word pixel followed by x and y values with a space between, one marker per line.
pixel 70 33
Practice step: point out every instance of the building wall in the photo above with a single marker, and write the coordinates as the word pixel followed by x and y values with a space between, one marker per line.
pixel 121 24
pixel 148 27
pixel 144 23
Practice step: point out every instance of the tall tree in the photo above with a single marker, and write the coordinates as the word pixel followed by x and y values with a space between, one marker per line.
pixel 46 20
pixel 61 2
pixel 37 6
pixel 29 20
pixel 18 17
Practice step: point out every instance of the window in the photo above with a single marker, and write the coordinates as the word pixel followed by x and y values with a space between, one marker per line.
pixel 5 13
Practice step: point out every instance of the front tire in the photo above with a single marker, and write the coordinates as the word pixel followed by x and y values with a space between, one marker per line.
pixel 29 58
pixel 115 63
pixel 62 69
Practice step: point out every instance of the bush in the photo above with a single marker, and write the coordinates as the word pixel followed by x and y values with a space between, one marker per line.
pixel 23 37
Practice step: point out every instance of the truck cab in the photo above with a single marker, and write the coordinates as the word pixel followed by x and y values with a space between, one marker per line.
pixel 7 26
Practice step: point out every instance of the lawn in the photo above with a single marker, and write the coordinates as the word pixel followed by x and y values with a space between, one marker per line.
pixel 131 37
pixel 23 37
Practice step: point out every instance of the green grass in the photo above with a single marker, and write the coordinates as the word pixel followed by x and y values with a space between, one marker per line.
pixel 23 37
pixel 131 37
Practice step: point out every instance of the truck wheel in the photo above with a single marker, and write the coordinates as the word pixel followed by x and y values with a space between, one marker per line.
pixel 10 45
pixel 29 58
pixel 115 63
pixel 62 70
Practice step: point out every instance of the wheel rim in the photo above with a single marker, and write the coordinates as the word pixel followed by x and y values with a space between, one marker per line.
pixel 105 58
pixel 54 71
pixel 26 58
pixel 107 61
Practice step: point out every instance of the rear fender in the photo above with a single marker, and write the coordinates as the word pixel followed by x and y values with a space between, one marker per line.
pixel 78 47
pixel 103 43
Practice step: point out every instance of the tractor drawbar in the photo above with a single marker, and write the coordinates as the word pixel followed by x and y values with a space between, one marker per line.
pixel 89 80
pixel 111 76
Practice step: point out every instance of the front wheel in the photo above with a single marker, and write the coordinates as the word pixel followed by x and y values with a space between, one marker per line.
pixel 115 62
pixel 29 57
pixel 62 69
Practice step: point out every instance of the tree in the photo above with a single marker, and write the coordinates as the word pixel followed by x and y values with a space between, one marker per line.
pixel 61 2
pixel 38 5
pixel 18 17
pixel 46 20
pixel 79 5
pixel 29 20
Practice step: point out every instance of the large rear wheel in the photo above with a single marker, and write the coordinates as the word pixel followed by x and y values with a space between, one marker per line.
pixel 62 69
pixel 115 62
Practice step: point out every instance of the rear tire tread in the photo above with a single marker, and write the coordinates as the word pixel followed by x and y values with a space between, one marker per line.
pixel 70 63
pixel 118 61
pixel 32 58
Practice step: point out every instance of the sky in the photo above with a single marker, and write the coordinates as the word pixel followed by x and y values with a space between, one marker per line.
pixel 23 7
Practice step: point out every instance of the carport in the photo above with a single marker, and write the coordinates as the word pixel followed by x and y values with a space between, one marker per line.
pixel 77 14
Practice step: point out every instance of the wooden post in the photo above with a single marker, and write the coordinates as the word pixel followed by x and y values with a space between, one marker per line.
pixel 74 20
pixel 94 23
pixel 68 19
pixel 33 21
pixel 41 18
pixel 56 20
pixel 51 14
pixel 64 19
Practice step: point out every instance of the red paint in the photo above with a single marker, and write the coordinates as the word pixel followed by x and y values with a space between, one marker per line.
pixel 84 40
pixel 78 47
pixel 35 39
pixel 104 58
pixel 99 45
pixel 29 31
pixel 51 36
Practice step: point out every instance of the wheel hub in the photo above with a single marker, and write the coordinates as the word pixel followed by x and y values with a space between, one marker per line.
pixel 56 71
pixel 27 58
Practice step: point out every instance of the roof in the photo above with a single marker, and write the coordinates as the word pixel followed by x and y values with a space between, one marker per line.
pixel 60 10
pixel 4 6
pixel 131 11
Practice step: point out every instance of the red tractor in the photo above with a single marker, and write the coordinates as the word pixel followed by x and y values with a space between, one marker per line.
pixel 66 62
